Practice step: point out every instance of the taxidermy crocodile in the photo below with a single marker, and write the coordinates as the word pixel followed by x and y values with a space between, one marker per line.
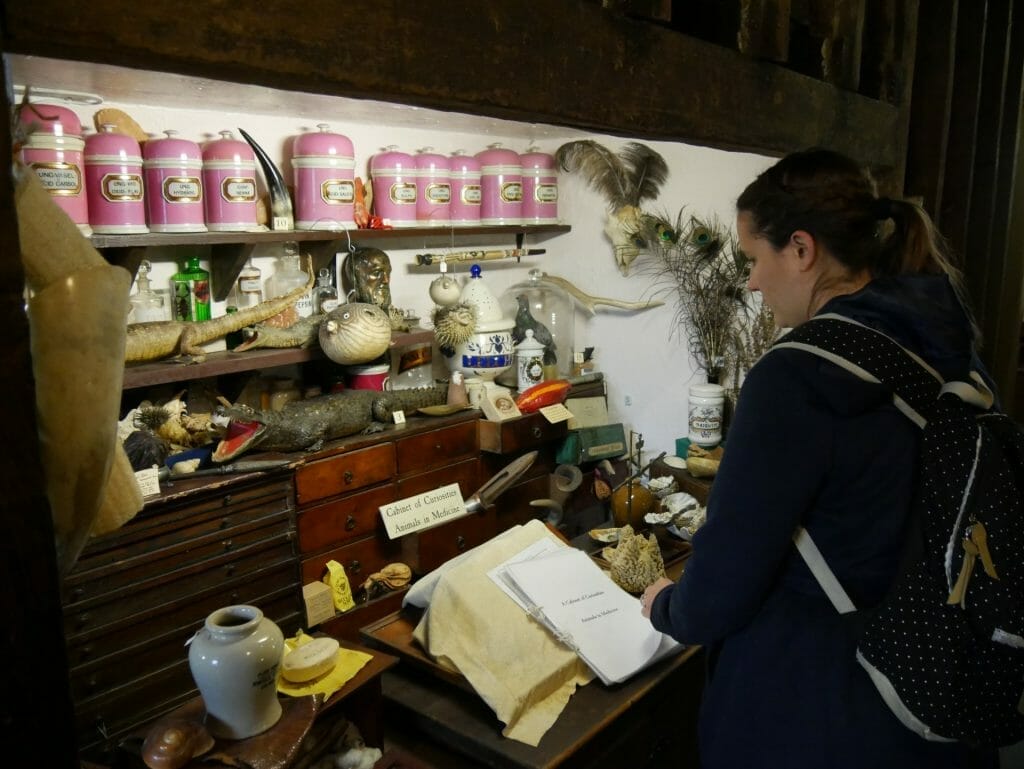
pixel 306 425
pixel 163 338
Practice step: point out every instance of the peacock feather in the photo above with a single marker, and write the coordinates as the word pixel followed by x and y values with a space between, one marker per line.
pixel 624 179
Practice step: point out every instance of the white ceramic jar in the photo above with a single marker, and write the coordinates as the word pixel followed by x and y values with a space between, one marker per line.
pixel 705 414
pixel 234 661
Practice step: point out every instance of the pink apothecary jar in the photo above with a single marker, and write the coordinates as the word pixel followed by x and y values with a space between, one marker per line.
pixel 113 182
pixel 540 187
pixel 229 184
pixel 324 164
pixel 394 177
pixel 53 150
pixel 465 176
pixel 501 186
pixel 174 184
pixel 433 183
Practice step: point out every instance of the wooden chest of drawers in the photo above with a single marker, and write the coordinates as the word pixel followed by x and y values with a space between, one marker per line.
pixel 137 595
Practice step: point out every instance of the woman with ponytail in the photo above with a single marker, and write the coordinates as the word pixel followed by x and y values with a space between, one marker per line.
pixel 811 444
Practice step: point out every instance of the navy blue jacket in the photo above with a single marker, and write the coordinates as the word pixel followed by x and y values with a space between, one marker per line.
pixel 810 444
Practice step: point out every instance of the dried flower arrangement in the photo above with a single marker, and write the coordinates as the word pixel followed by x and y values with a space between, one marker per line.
pixel 705 271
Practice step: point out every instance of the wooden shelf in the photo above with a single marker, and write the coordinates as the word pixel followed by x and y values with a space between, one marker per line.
pixel 230 250
pixel 229 362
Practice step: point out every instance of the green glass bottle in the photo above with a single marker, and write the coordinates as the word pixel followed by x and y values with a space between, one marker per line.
pixel 192 295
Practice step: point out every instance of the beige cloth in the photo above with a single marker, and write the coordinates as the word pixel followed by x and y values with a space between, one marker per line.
pixel 77 314
pixel 514 663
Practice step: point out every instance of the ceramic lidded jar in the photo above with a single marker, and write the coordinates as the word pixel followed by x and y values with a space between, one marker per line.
pixel 324 165
pixel 234 660
pixel 229 179
pixel 113 181
pixel 540 187
pixel 393 177
pixel 501 186
pixel 433 184
pixel 174 184
pixel 53 150
pixel 548 310
pixel 465 178
pixel 489 351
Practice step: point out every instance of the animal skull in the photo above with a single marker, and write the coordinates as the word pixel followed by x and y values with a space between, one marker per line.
pixel 621 226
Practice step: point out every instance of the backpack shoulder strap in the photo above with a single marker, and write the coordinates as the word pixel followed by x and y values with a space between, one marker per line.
pixel 872 356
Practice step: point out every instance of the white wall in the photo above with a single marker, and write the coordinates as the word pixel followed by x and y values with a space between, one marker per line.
pixel 643 356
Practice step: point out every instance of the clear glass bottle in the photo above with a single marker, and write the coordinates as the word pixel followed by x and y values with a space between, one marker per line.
pixel 191 292
pixel 325 295
pixel 249 285
pixel 549 311
pixel 289 275
pixel 145 304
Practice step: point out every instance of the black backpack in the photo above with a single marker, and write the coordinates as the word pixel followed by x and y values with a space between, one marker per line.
pixel 945 648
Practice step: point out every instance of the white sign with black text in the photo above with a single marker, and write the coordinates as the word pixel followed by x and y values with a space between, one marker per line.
pixel 423 511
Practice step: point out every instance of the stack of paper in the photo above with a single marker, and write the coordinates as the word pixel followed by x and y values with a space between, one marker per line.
pixel 565 590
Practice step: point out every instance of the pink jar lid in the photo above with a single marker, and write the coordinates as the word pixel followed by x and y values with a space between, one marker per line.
pixel 108 143
pixel 172 148
pixel 428 160
pixel 462 162
pixel 390 159
pixel 495 155
pixel 50 119
pixel 534 158
pixel 322 142
pixel 228 149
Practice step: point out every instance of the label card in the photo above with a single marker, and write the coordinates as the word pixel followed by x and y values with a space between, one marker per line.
pixel 556 413
pixel 148 480
pixel 423 511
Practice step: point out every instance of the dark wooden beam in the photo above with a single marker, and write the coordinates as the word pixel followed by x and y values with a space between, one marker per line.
pixel 931 104
pixel 569 63
pixel 764 29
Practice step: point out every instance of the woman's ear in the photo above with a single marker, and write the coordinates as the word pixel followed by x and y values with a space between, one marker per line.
pixel 805 247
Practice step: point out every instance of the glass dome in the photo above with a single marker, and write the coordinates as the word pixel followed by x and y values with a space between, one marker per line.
pixel 549 311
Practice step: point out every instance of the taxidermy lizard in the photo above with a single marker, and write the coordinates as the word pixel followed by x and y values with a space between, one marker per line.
pixel 162 338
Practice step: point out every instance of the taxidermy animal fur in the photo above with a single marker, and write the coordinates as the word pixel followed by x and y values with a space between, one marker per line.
pixel 625 179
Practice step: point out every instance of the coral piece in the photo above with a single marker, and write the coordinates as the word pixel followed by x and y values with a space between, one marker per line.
pixel 636 562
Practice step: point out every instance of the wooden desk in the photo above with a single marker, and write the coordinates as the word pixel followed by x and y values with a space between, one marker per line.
pixel 649 721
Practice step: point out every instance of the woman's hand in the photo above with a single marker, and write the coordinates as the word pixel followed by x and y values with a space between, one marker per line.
pixel 649 594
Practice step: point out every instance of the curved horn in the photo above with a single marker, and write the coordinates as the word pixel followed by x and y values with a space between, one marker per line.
pixel 281 215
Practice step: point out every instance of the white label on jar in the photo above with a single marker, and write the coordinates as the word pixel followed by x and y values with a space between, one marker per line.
pixel 402 193
pixel 235 189
pixel 59 178
pixel 471 195
pixel 304 305
pixel 438 192
pixel 183 189
pixel 512 192
pixel 250 285
pixel 118 188
pixel 337 192
pixel 705 424
pixel 546 193
pixel 329 304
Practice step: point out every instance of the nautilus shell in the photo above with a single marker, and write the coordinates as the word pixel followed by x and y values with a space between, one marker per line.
pixel 355 333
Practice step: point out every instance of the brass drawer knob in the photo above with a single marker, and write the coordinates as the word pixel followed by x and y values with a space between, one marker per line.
pixel 348 476
pixel 350 523
pixel 226 500
pixel 537 433
pixel 355 567
pixel 460 542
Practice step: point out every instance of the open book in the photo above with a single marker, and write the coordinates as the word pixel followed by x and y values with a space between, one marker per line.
pixel 579 603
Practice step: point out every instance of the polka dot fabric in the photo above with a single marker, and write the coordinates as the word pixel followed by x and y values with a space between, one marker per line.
pixel 953 671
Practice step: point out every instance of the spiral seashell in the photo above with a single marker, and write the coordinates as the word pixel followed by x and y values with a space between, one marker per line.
pixel 355 333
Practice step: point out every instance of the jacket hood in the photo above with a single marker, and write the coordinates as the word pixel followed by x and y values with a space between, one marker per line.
pixel 921 312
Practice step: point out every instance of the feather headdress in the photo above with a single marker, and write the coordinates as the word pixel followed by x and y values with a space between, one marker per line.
pixel 635 174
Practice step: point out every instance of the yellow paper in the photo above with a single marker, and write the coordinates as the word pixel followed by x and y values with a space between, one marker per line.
pixel 341 590
pixel 349 662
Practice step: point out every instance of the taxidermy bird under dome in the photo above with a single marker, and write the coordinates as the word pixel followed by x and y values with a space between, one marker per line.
pixel 626 180
pixel 547 309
